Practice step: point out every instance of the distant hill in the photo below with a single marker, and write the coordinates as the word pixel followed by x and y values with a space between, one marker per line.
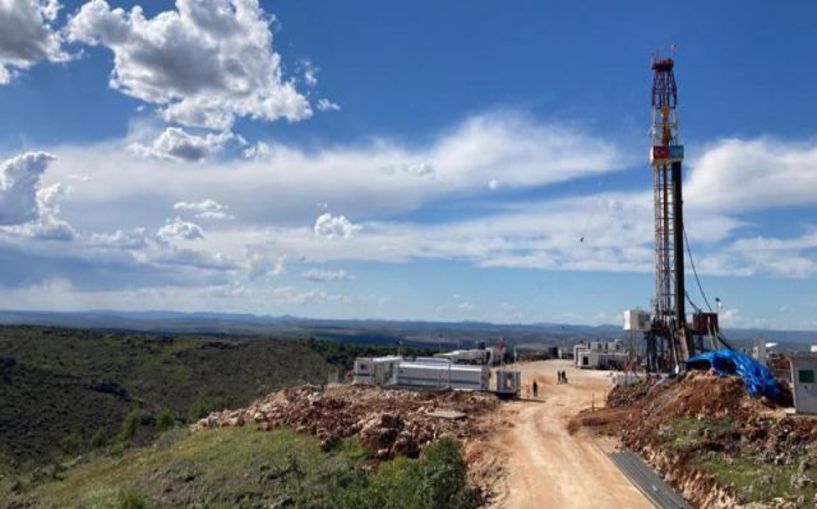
pixel 380 332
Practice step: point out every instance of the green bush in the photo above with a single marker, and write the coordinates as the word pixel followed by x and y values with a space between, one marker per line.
pixel 128 429
pixel 100 439
pixel 165 421
pixel 438 479
pixel 71 444
pixel 132 500
pixel 203 407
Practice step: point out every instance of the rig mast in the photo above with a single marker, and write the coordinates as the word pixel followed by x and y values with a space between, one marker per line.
pixel 668 341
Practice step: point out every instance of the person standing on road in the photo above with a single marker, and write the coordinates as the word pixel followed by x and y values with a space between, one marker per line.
pixel 535 389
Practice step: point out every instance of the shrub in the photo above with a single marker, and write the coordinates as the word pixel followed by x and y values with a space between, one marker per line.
pixel 165 421
pixel 128 429
pixel 438 479
pixel 203 407
pixel 132 499
pixel 100 439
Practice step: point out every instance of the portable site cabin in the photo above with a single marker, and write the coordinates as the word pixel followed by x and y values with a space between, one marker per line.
pixel 600 355
pixel 508 382
pixel 376 370
pixel 420 372
pixel 442 375
pixel 804 382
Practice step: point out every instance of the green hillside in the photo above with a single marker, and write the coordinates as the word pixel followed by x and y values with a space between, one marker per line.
pixel 67 391
pixel 243 467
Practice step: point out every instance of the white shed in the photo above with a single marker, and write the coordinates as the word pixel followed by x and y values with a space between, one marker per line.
pixel 804 382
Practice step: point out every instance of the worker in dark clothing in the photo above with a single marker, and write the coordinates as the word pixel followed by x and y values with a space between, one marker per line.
pixel 535 389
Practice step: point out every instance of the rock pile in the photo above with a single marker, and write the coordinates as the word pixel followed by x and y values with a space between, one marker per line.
pixel 389 422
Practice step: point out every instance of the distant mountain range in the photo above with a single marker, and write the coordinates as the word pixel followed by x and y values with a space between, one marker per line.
pixel 373 331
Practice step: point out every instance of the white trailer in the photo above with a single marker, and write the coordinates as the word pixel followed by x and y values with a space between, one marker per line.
pixel 475 356
pixel 442 375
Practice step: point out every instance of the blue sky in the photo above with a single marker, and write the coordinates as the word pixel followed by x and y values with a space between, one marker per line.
pixel 421 160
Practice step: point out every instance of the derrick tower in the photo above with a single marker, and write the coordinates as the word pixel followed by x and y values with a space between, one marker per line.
pixel 668 341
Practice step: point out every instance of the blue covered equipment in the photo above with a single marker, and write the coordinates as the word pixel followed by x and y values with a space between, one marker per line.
pixel 758 379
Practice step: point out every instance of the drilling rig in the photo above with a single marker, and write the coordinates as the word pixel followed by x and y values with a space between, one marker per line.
pixel 669 341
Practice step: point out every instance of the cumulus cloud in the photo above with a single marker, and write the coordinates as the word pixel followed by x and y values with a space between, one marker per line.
pixel 310 72
pixel 204 64
pixel 260 150
pixel 49 225
pixel 261 264
pixel 205 209
pixel 330 227
pixel 28 36
pixel 179 229
pixel 291 295
pixel 176 144
pixel 742 175
pixel 19 181
pixel 137 238
pixel 327 105
pixel 320 276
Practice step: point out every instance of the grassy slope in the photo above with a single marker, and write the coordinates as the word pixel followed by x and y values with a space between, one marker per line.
pixel 218 467
pixel 60 386
pixel 242 467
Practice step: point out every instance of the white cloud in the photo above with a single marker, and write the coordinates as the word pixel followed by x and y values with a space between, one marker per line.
pixel 465 306
pixel 205 209
pixel 49 225
pixel 742 175
pixel 124 239
pixel 176 144
pixel 204 64
pixel 310 72
pixel 327 105
pixel 320 276
pixel 331 227
pixel 27 36
pixel 262 264
pixel 415 169
pixel 19 180
pixel 258 150
pixel 179 229
pixel 291 295
pixel 281 186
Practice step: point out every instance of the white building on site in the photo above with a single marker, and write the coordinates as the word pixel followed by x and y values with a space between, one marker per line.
pixel 420 373
pixel 804 382
pixel 600 355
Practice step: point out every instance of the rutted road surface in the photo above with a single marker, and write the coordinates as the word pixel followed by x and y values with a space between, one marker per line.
pixel 545 466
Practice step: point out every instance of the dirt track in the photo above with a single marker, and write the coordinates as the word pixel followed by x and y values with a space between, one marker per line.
pixel 546 466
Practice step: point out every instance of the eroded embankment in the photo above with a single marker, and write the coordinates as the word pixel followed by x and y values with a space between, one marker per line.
pixel 715 444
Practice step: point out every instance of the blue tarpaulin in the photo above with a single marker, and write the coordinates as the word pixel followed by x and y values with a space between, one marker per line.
pixel 758 379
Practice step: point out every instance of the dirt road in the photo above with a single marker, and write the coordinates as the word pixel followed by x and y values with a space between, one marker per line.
pixel 546 466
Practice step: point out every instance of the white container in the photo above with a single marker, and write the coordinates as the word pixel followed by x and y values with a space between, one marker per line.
pixel 636 320
pixel 437 375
